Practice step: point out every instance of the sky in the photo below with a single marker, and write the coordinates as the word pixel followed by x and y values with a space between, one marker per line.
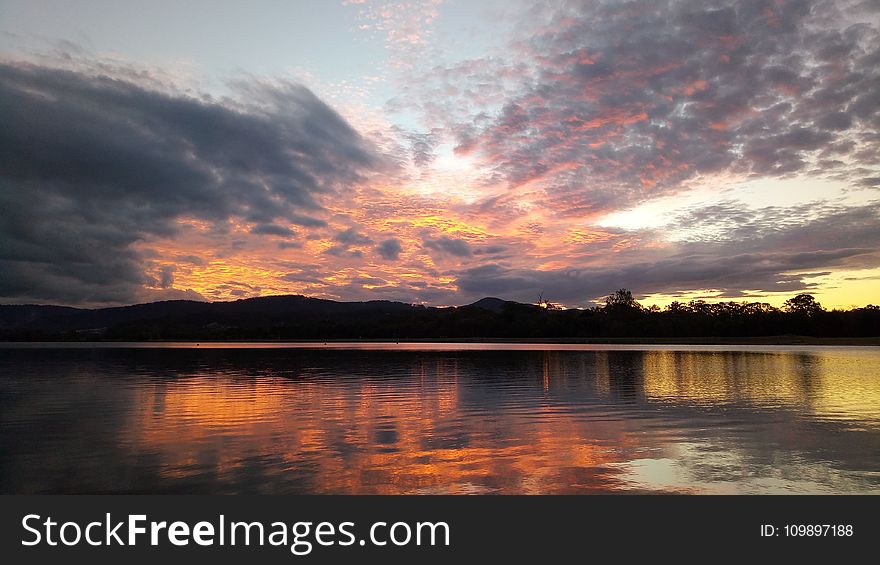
pixel 440 151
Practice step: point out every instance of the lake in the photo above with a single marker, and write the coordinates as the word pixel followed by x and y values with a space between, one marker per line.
pixel 438 418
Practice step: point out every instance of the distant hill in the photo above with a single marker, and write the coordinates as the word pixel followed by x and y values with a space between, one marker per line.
pixel 491 304
pixel 270 317
pixel 299 317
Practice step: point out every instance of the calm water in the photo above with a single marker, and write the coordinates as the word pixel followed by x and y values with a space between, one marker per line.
pixel 259 418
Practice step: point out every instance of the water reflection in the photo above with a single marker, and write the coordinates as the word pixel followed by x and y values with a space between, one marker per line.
pixel 300 421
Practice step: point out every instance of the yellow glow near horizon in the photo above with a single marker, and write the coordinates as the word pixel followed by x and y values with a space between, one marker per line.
pixel 833 292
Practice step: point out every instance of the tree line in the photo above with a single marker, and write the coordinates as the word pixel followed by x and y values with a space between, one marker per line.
pixel 300 317
pixel 622 316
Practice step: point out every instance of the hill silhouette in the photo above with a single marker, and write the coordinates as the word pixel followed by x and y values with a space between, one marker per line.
pixel 299 317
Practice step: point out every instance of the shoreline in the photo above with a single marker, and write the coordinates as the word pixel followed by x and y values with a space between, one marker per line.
pixel 761 340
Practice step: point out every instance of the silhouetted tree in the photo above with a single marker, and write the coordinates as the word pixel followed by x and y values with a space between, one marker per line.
pixel 802 304
pixel 621 298
pixel 547 304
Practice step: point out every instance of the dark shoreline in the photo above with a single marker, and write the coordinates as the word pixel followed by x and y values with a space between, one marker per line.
pixel 760 340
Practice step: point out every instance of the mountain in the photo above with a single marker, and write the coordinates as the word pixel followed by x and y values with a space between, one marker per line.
pixel 490 303
pixel 270 317
pixel 22 316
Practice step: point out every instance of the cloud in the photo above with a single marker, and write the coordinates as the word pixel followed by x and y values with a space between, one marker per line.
pixel 92 164
pixel 351 237
pixel 606 104
pixel 406 26
pixel 272 229
pixel 306 221
pixel 166 276
pixel 190 259
pixel 422 147
pixel 490 250
pixel 347 239
pixel 390 249
pixel 155 295
pixel 306 273
pixel 344 251
pixel 450 245
pixel 773 257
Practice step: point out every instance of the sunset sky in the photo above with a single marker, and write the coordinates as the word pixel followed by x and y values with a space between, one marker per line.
pixel 439 151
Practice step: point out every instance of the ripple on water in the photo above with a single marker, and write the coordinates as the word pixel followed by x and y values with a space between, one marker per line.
pixel 527 420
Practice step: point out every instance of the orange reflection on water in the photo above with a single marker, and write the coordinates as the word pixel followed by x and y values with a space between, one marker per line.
pixel 564 422
pixel 370 437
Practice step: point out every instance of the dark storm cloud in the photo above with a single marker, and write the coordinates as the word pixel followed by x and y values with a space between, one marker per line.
pixel 90 165
pixel 450 245
pixel 623 101
pixel 774 257
pixel 390 249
